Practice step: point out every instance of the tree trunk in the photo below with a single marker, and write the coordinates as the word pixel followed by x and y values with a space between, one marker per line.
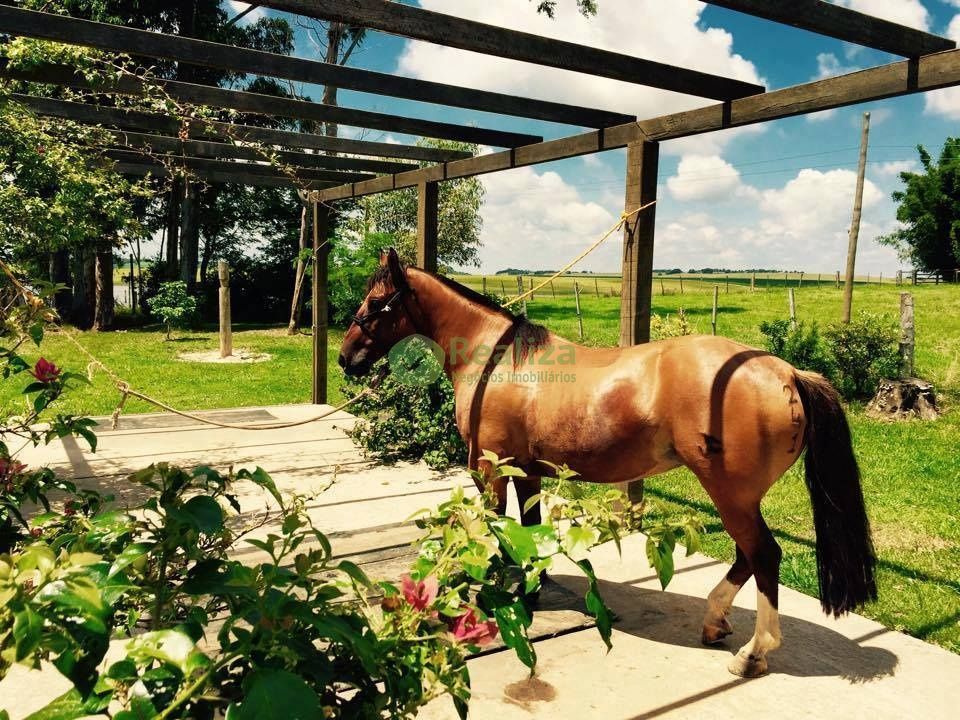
pixel 60 275
pixel 81 311
pixel 173 225
pixel 296 305
pixel 335 32
pixel 103 287
pixel 904 399
pixel 189 237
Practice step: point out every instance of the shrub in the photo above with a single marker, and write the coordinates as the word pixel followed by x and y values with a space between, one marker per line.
pixel 863 352
pixel 801 346
pixel 408 422
pixel 173 306
pixel 351 263
pixel 669 326
pixel 854 356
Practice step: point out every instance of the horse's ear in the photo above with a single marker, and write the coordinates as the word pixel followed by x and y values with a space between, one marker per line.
pixel 392 260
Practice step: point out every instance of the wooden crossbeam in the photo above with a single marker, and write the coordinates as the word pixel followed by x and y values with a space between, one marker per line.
pixel 207 165
pixel 413 22
pixel 279 106
pixel 226 151
pixel 154 123
pixel 116 38
pixel 217 176
pixel 906 77
pixel 843 23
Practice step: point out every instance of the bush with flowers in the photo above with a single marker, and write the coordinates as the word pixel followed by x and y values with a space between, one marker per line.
pixel 197 633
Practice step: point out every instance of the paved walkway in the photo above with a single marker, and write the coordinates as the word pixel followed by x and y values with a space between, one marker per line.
pixel 850 668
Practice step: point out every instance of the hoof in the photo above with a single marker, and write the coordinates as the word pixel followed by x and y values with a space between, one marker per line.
pixel 748 666
pixel 713 634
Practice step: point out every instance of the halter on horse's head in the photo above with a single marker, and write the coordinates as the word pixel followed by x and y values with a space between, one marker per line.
pixel 382 320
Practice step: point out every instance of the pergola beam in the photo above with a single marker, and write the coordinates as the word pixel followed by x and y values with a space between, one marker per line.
pixel 116 38
pixel 417 23
pixel 140 169
pixel 225 151
pixel 153 123
pixel 273 105
pixel 906 77
pixel 246 168
pixel 843 23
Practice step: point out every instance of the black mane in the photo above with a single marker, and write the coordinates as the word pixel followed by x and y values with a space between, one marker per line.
pixel 528 336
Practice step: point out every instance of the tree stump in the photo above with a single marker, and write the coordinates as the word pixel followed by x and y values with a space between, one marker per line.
pixel 904 399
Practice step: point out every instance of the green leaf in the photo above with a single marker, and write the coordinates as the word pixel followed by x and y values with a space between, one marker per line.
pixel 27 632
pixel 66 707
pixel 660 555
pixel 204 513
pixel 278 695
pixel 517 540
pixel 545 537
pixel 355 573
pixel 263 479
pixel 513 621
pixel 578 540
pixel 595 604
pixel 128 556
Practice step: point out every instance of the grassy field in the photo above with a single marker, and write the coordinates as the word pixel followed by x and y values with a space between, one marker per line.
pixel 911 470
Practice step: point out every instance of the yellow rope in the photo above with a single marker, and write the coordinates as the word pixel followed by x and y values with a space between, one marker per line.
pixel 623 218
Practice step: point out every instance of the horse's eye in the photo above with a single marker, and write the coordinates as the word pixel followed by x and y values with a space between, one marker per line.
pixel 375 304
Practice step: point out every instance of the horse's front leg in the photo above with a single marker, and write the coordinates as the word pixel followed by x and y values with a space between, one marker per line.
pixel 526 488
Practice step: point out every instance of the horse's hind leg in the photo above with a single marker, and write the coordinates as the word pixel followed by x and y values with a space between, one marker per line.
pixel 716 626
pixel 763 555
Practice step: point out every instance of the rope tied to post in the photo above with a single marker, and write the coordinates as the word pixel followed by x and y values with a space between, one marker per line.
pixel 624 216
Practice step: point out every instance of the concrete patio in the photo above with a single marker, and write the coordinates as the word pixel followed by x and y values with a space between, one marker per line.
pixel 853 667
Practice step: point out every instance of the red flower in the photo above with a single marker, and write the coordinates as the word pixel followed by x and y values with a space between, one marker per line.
pixel 69 508
pixel 469 629
pixel 419 594
pixel 45 371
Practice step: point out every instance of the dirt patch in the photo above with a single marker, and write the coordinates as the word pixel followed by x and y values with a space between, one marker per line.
pixel 239 356
pixel 897 537
pixel 529 691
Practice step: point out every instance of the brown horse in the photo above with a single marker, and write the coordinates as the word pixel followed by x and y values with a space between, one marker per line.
pixel 736 416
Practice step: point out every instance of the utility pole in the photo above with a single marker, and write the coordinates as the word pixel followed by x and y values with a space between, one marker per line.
pixel 855 222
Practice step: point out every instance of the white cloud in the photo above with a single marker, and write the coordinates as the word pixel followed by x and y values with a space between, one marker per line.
pixel 704 177
pixel 536 219
pixel 946 102
pixel 677 37
pixel 814 200
pixel 238 7
pixel 893 168
pixel 906 12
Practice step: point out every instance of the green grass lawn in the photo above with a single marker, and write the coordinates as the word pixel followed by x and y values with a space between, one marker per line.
pixel 911 470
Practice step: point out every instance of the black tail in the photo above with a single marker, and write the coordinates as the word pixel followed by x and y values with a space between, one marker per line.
pixel 845 557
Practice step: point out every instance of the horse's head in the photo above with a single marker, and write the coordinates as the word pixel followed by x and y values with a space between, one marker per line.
pixel 382 320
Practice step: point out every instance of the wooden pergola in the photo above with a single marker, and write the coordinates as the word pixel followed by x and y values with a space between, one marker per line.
pixel 355 168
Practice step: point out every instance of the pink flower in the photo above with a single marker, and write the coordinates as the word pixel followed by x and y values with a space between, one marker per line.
pixel 469 629
pixel 419 594
pixel 10 468
pixel 45 371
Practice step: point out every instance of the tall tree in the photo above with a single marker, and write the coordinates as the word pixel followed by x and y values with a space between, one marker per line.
pixel 929 211
pixel 459 223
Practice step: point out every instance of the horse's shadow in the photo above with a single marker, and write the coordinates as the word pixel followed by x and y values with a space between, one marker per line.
pixel 808 650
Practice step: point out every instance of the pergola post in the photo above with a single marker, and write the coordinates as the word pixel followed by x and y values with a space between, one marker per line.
pixel 635 297
pixel 321 253
pixel 636 294
pixel 428 213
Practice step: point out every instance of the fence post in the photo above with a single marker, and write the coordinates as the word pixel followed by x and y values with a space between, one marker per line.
pixel 818 279
pixel 553 290
pixel 483 284
pixel 880 282
pixel 906 335
pixel 503 288
pixel 226 332
pixel 596 286
pixel 520 291
pixel 681 284
pixel 713 317
pixel 914 276
pixel 800 282
pixel 793 309
pixel 838 279
pixel 662 291
pixel 727 286
pixel 786 279
pixel 576 296
pixel 531 290
pixel 753 282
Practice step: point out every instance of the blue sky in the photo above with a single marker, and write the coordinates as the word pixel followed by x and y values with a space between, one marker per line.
pixel 777 195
